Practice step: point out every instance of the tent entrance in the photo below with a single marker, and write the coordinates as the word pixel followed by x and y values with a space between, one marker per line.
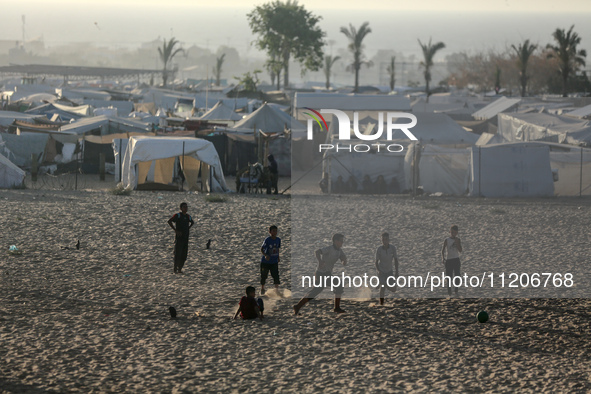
pixel 173 174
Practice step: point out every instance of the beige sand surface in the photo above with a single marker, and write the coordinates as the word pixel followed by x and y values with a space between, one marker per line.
pixel 96 319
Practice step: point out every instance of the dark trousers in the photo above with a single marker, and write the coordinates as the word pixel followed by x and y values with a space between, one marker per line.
pixel 274 269
pixel 319 279
pixel 452 269
pixel 273 179
pixel 181 248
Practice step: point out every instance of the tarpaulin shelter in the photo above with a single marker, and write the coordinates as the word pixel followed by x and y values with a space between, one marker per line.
pixel 150 162
pixel 10 174
pixel 221 112
pixel 544 127
pixel 511 170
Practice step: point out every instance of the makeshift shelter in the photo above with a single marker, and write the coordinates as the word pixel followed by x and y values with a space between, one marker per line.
pixel 268 120
pixel 10 174
pixel 150 162
pixel 544 127
pixel 511 170
pixel 573 167
pixel 20 148
pixel 7 118
pixel 104 125
pixel 65 112
pixel 584 112
pixel 496 107
pixel 440 169
pixel 221 112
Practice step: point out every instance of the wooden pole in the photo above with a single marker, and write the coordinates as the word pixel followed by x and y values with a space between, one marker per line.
pixel 34 167
pixel 581 176
pixel 102 166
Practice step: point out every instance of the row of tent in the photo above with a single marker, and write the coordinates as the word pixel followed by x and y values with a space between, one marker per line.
pixel 532 154
pixel 523 169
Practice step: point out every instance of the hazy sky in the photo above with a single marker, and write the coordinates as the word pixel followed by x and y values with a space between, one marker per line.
pixel 410 5
pixel 461 24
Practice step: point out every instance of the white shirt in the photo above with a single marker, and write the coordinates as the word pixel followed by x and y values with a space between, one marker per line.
pixel 384 258
pixel 452 250
pixel 329 256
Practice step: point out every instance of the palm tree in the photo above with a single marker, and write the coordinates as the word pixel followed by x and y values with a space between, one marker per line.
pixel 356 48
pixel 217 70
pixel 167 52
pixel 329 61
pixel 429 52
pixel 523 52
pixel 392 72
pixel 569 59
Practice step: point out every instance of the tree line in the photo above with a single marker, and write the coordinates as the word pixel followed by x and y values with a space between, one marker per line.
pixel 287 32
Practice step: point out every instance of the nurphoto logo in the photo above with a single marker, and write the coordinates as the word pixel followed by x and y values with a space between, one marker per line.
pixel 344 123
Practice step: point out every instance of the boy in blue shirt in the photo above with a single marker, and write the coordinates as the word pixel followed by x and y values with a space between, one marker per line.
pixel 270 259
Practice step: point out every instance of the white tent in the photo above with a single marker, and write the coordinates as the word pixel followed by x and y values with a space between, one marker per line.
pixel 442 170
pixel 269 120
pixel 8 117
pixel 540 126
pixel 220 111
pixel 574 171
pixel 158 155
pixel 511 170
pixel 106 124
pixel 496 107
pixel 10 174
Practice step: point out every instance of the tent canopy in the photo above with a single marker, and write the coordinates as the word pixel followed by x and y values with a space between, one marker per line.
pixel 540 126
pixel 269 120
pixel 153 159
pixel 220 112
pixel 10 174
pixel 511 170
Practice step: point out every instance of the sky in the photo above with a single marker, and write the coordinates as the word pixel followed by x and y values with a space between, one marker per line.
pixel 464 25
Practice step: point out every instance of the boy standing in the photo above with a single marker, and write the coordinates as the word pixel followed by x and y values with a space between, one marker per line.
pixel 270 259
pixel 453 246
pixel 327 257
pixel 384 257
pixel 183 222
pixel 250 307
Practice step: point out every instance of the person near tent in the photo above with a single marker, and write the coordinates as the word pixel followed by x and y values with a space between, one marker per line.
pixel 183 222
pixel 451 260
pixel 327 257
pixel 274 175
pixel 385 256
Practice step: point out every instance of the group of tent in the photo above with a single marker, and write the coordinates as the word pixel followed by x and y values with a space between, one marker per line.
pixel 58 134
pixel 531 155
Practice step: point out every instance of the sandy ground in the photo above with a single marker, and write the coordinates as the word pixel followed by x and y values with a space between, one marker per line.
pixel 96 319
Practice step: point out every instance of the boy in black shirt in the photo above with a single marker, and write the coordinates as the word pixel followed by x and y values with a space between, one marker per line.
pixel 183 222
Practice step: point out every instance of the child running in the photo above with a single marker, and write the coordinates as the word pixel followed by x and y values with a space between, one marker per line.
pixel 384 257
pixel 327 257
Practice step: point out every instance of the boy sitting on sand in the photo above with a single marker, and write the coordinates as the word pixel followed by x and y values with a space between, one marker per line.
pixel 326 257
pixel 250 307
pixel 453 246
pixel 270 259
